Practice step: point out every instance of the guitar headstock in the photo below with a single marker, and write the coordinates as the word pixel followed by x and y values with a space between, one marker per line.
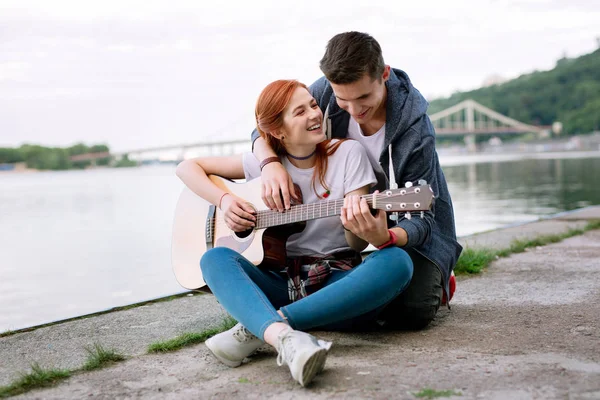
pixel 410 198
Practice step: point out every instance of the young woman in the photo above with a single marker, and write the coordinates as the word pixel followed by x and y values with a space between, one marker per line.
pixel 324 284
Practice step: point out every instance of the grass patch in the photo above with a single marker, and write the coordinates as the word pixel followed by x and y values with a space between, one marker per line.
pixel 432 393
pixel 7 332
pixel 37 378
pixel 99 357
pixel 190 338
pixel 243 380
pixel 473 261
pixel 594 224
pixel 519 246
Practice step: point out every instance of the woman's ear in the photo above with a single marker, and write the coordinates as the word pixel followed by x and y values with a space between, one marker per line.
pixel 278 134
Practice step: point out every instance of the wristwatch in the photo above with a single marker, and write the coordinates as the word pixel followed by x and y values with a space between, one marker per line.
pixel 391 242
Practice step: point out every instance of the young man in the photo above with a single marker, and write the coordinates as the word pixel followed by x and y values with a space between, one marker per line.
pixel 368 101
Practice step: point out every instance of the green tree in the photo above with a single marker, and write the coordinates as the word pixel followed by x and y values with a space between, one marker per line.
pixel 99 148
pixel 10 155
pixel 569 93
pixel 54 158
pixel 39 157
pixel 125 162
pixel 78 149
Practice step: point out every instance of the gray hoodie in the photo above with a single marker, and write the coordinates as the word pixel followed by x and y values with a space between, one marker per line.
pixel 412 138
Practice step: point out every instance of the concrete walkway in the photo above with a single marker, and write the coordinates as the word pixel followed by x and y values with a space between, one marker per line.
pixel 527 328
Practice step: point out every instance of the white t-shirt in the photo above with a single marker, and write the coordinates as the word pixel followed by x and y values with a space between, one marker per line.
pixel 373 144
pixel 348 169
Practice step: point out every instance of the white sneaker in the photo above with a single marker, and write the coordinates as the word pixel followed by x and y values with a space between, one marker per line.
pixel 232 346
pixel 303 353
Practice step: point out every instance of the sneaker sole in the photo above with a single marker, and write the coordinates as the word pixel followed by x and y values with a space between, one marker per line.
pixel 314 364
pixel 221 357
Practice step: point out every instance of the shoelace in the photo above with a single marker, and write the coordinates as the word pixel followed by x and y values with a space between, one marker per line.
pixel 243 335
pixel 286 350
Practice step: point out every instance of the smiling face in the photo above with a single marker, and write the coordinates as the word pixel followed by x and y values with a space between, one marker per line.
pixel 363 99
pixel 302 119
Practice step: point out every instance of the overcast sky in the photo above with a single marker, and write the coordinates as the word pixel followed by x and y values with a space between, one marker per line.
pixel 134 74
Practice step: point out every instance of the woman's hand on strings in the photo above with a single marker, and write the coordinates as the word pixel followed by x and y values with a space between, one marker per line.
pixel 238 214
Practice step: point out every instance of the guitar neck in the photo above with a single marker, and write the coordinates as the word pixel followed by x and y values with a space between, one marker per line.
pixel 303 212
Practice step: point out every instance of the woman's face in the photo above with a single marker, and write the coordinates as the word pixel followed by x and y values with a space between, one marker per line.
pixel 302 119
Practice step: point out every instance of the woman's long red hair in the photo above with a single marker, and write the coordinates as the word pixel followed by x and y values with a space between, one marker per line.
pixel 269 119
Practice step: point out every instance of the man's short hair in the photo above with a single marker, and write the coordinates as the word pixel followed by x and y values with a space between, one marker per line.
pixel 348 56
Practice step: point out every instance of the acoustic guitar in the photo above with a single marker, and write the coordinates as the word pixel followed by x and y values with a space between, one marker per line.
pixel 199 226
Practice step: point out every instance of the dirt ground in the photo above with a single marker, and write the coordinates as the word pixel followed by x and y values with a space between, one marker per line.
pixel 527 328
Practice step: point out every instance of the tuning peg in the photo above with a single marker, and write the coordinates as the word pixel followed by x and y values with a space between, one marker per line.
pixel 408 184
pixel 422 214
pixel 422 182
pixel 407 215
pixel 394 216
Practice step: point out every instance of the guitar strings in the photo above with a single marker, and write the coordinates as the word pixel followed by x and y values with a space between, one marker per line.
pixel 301 212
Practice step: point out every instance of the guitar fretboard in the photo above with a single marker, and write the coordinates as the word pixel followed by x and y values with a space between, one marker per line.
pixel 404 200
pixel 302 212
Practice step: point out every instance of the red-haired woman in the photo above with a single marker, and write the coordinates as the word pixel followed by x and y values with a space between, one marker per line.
pixel 324 285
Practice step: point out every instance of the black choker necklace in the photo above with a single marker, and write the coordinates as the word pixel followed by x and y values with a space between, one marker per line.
pixel 303 158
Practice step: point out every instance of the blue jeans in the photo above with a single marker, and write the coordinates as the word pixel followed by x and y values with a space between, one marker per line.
pixel 252 295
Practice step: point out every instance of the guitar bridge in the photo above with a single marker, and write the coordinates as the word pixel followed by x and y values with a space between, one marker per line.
pixel 210 226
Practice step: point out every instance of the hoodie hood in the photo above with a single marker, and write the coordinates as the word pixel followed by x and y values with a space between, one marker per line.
pixel 405 105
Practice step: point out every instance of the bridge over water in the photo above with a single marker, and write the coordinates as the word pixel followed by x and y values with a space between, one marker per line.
pixel 467 118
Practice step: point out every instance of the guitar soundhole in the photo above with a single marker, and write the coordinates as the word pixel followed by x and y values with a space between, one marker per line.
pixel 243 234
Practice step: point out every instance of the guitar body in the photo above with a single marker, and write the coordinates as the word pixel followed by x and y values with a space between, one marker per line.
pixel 194 234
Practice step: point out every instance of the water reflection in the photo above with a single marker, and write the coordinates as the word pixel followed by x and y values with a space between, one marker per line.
pixel 493 194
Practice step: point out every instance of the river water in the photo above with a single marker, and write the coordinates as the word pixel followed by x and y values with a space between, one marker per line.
pixel 78 242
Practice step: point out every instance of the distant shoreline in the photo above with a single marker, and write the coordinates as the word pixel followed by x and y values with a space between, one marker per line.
pixel 19 168
pixel 447 159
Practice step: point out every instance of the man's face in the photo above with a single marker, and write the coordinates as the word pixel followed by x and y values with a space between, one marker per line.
pixel 364 98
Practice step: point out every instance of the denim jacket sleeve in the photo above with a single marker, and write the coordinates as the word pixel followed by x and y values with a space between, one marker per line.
pixel 321 91
pixel 422 163
pixel 254 136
